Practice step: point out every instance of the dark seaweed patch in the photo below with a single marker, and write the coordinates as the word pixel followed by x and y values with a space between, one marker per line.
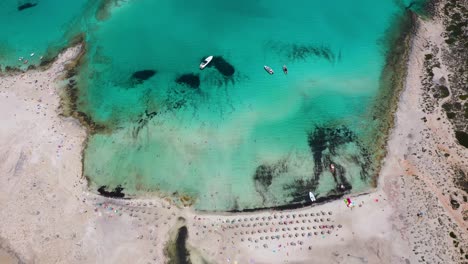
pixel 224 67
pixel 323 138
pixel 143 121
pixel 139 77
pixel 294 52
pixel 26 6
pixel 264 175
pixel 320 140
pixel 189 79
pixel 116 193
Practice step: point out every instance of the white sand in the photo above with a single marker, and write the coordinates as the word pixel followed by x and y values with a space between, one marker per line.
pixel 48 216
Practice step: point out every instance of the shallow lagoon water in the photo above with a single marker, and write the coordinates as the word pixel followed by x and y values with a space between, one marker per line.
pixel 245 140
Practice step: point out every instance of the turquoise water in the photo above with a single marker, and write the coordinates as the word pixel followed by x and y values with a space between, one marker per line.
pixel 242 141
pixel 43 29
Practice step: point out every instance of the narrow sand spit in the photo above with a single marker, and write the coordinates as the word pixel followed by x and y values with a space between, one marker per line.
pixel 48 216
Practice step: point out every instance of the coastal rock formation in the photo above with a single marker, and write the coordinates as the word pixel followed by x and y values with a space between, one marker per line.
pixel 116 193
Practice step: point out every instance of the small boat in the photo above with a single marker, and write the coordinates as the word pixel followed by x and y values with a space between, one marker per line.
pixel 268 69
pixel 205 62
pixel 285 69
pixel 332 168
pixel 312 197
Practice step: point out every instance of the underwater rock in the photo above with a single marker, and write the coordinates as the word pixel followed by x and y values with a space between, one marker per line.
pixel 26 6
pixel 189 79
pixel 116 193
pixel 143 75
pixel 224 67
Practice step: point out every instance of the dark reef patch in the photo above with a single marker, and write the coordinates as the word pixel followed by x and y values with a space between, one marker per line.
pixel 139 77
pixel 224 67
pixel 191 80
pixel 295 52
pixel 26 6
pixel 116 193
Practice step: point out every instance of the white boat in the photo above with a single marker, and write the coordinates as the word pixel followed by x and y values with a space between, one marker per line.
pixel 268 69
pixel 312 197
pixel 205 62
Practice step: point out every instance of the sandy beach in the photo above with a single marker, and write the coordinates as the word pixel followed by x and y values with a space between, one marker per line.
pixel 49 215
